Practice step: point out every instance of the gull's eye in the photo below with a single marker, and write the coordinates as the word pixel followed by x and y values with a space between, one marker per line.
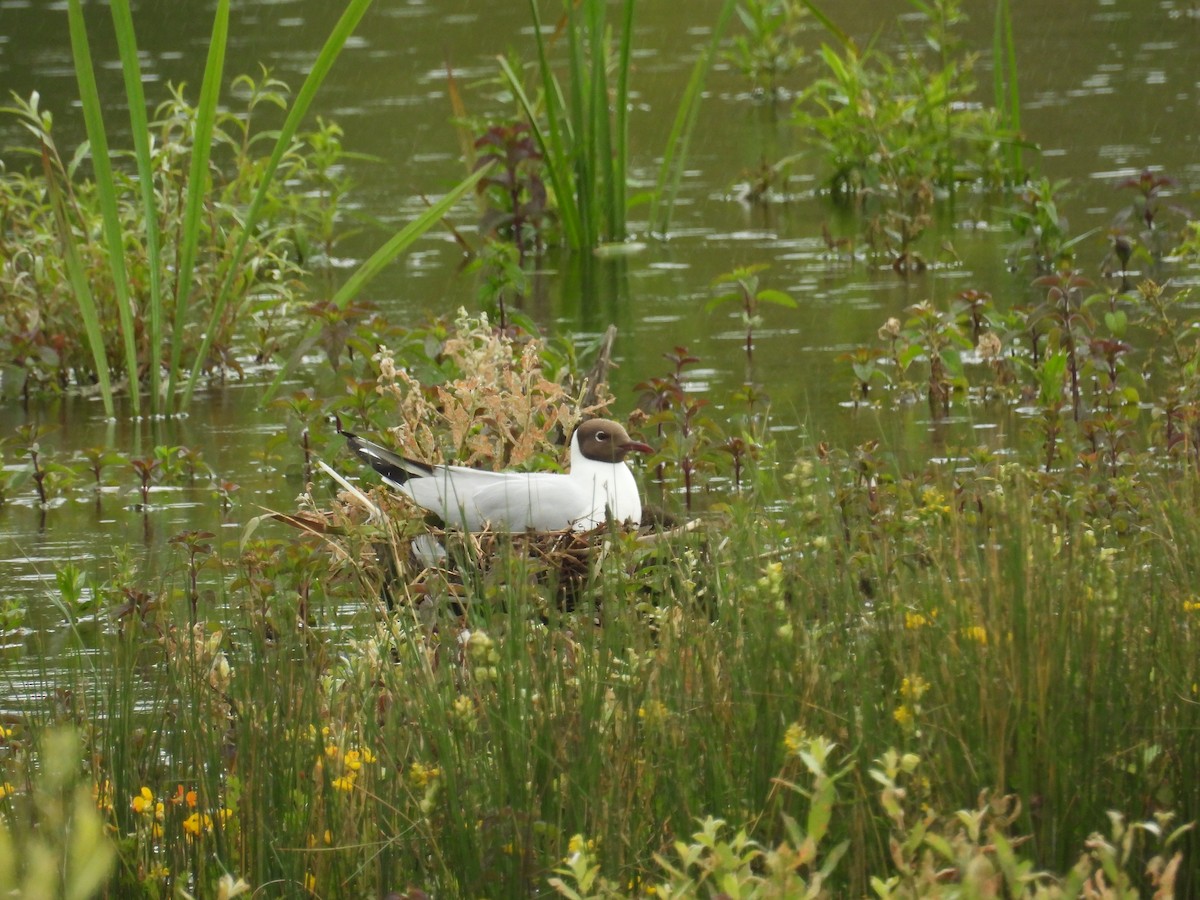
pixel 602 435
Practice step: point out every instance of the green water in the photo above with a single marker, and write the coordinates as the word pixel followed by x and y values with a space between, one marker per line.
pixel 1108 88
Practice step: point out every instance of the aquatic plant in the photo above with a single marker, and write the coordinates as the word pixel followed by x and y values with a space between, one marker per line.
pixel 516 195
pixel 581 121
pixel 53 344
pixel 582 130
pixel 746 293
pixel 767 49
pixel 894 129
pixel 196 196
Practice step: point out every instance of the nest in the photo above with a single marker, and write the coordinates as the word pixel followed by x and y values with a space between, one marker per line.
pixel 414 563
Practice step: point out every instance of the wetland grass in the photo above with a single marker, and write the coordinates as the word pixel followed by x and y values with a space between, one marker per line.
pixel 851 666
pixel 130 279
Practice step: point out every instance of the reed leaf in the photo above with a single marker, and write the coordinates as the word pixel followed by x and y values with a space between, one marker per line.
pixel 79 284
pixel 324 62
pixel 106 193
pixel 140 131
pixel 325 59
pixel 399 242
pixel 584 143
pixel 549 141
pixel 197 193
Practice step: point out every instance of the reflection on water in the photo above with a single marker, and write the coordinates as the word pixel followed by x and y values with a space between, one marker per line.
pixel 1108 91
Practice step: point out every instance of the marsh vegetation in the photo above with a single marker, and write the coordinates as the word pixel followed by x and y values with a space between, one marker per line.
pixel 960 667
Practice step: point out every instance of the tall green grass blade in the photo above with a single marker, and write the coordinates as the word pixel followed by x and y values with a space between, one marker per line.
pixel 79 285
pixel 106 191
pixel 581 159
pixel 197 193
pixel 325 59
pixel 140 129
pixel 832 27
pixel 401 241
pixel 670 172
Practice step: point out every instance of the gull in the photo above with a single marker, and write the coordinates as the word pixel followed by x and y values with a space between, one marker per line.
pixel 599 488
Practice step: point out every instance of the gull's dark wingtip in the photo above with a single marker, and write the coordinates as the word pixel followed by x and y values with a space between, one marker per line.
pixel 392 467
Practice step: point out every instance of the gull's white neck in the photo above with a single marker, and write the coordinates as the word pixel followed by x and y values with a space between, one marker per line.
pixel 612 486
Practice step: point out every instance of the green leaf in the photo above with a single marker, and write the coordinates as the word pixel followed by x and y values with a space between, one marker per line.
pixel 1116 321
pixel 79 286
pixel 719 300
pixel 325 59
pixel 779 298
pixel 106 191
pixel 197 194
pixel 140 131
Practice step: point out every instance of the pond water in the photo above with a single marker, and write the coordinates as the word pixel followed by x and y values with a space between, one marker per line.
pixel 1110 87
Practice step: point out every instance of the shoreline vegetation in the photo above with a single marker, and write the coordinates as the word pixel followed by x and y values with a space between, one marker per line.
pixel 967 676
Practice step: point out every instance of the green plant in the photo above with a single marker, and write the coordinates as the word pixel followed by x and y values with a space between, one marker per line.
pixel 516 195
pixel 767 51
pixel 887 126
pixel 747 294
pixel 1040 227
pixel 583 137
pixel 196 196
pixel 1151 192
pixel 67 853
pixel 47 340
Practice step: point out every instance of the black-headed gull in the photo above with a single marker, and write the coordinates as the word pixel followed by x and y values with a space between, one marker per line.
pixel 599 485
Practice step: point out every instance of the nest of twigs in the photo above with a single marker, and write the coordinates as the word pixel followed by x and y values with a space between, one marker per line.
pixel 410 561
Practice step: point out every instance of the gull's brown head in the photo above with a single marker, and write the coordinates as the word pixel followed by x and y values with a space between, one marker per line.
pixel 606 441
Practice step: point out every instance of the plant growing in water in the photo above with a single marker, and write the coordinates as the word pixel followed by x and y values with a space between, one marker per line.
pixel 515 192
pixel 747 294
pixel 768 49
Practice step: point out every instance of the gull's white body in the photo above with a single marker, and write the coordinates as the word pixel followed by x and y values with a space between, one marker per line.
pixel 595 490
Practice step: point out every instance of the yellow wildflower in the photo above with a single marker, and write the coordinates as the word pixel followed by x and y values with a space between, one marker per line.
pixel 654 712
pixel 976 633
pixel 794 738
pixel 772 578
pixel 310 882
pixel 464 707
pixel 935 501
pixel 197 824
pixel 344 783
pixel 421 775
pixel 143 802
pixel 577 844
pixel 913 688
pixel 903 716
pixel 6 789
pixel 1191 605
pixel 101 795
pixel 912 621
pixel 5 733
